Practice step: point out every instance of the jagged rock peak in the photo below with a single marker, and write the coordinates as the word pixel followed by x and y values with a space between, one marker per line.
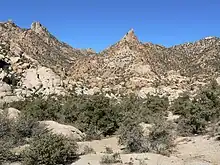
pixel 130 36
pixel 37 27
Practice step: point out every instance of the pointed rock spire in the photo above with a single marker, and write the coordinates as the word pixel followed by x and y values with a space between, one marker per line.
pixel 37 27
pixel 130 36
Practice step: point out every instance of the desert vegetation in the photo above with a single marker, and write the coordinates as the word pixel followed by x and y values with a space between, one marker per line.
pixel 199 112
pixel 99 117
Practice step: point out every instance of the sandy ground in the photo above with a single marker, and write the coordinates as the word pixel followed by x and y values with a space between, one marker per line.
pixel 189 151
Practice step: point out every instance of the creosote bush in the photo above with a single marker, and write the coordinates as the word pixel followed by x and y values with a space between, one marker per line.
pixel 50 149
pixel 14 133
pixel 96 115
pixel 17 131
pixel 160 139
pixel 131 136
pixel 6 155
pixel 197 112
pixel 108 150
pixel 111 159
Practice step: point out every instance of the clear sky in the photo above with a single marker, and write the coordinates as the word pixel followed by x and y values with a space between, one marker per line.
pixel 100 23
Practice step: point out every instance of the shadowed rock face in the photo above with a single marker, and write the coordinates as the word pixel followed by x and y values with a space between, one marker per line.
pixel 128 66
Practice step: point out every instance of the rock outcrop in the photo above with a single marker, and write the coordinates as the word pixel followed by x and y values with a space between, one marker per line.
pixel 65 130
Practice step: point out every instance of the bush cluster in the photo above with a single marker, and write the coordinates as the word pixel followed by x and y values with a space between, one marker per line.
pixel 14 133
pixel 44 147
pixel 50 149
pixel 197 112
pixel 160 139
pixel 111 159
pixel 97 115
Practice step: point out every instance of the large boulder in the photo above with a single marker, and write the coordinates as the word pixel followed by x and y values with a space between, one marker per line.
pixel 66 130
pixel 11 113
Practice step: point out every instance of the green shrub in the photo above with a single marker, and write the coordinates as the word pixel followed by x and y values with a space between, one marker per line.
pixel 131 136
pixel 88 150
pixel 147 110
pixel 111 159
pixel 27 127
pixel 5 126
pixel 8 140
pixel 96 115
pixel 5 153
pixel 50 149
pixel 192 125
pixel 160 139
pixel 42 109
pixel 197 112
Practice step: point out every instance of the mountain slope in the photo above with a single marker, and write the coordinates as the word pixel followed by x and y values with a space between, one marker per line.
pixel 133 66
pixel 32 60
pixel 128 66
pixel 39 44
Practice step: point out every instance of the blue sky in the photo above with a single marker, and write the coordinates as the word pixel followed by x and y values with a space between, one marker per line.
pixel 100 23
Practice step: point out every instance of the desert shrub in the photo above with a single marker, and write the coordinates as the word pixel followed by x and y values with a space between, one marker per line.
pixel 131 136
pixel 5 126
pixel 10 137
pixel 42 109
pixel 96 115
pixel 27 127
pixel 197 112
pixel 17 131
pixel 191 124
pixel 214 130
pixel 182 105
pixel 111 159
pixel 108 150
pixel 88 150
pixel 160 139
pixel 146 110
pixel 50 149
pixel 5 153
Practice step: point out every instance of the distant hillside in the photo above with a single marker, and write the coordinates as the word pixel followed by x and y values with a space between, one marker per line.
pixel 128 66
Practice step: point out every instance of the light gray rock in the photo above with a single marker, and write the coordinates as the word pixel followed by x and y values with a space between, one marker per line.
pixel 66 130
pixel 146 128
pixel 172 117
pixel 4 88
pixel 13 113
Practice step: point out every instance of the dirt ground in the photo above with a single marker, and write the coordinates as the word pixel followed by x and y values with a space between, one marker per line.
pixel 199 150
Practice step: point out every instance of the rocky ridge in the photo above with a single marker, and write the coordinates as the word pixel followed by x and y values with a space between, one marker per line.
pixel 33 61
pixel 130 66
pixel 41 63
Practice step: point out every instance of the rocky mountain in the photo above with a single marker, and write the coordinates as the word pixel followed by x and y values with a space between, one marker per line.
pixel 132 66
pixel 32 60
pixel 41 63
